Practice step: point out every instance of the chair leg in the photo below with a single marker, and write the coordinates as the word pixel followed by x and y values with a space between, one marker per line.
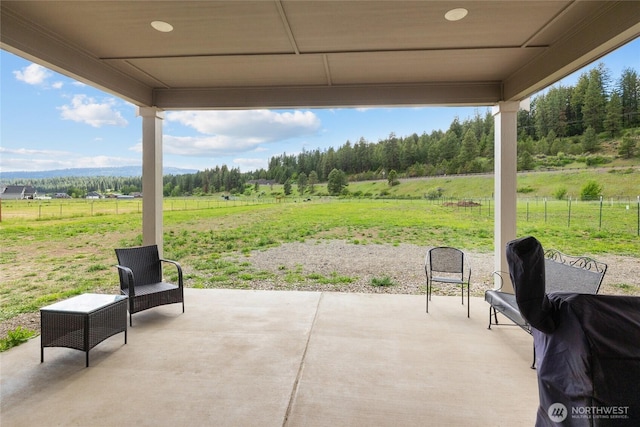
pixel 533 365
pixel 495 316
pixel 468 302
pixel 427 296
pixel 428 293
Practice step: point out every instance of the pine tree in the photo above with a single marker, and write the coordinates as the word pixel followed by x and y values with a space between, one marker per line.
pixel 595 100
pixel 627 147
pixel 590 140
pixel 629 88
pixel 313 180
pixel 302 182
pixel 613 118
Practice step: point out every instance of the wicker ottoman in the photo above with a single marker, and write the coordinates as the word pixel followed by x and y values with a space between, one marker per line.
pixel 82 322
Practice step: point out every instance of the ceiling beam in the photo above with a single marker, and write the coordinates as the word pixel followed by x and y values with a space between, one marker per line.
pixel 482 93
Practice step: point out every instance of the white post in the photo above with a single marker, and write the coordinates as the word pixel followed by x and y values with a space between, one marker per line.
pixel 152 176
pixel 506 159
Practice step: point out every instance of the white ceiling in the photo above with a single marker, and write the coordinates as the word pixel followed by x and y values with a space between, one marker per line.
pixel 280 53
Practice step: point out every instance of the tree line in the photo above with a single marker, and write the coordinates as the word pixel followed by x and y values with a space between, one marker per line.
pixel 563 123
pixel 565 120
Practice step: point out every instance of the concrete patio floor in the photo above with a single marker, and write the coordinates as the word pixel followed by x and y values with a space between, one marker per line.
pixel 274 358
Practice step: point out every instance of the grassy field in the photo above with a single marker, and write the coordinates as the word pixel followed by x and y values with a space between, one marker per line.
pixel 46 259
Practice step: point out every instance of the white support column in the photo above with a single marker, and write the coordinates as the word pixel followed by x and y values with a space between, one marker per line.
pixel 152 227
pixel 506 159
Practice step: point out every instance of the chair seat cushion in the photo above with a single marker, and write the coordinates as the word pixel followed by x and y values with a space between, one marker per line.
pixel 151 288
pixel 506 304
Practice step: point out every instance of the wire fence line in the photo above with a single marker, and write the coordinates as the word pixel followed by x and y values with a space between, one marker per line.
pixel 620 215
pixel 616 215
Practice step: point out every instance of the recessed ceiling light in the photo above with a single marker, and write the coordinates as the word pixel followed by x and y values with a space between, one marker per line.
pixel 163 27
pixel 456 14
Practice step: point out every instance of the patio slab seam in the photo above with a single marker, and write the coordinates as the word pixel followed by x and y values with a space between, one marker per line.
pixel 296 383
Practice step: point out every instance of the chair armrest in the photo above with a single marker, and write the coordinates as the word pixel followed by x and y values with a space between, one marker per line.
pixel 499 274
pixel 178 267
pixel 127 277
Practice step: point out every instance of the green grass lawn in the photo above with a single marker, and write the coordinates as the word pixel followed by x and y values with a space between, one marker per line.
pixel 43 260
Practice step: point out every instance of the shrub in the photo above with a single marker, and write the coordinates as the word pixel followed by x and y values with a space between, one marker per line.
pixel 525 190
pixel 590 191
pixel 560 193
pixel 434 193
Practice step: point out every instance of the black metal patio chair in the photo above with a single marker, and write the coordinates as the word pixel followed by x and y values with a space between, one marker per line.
pixel 447 265
pixel 140 271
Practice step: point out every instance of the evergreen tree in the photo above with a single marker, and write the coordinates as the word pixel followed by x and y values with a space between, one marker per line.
pixel 590 140
pixel 392 178
pixel 595 100
pixel 613 119
pixel 313 180
pixel 287 187
pixel 525 161
pixel 576 126
pixel 629 88
pixel 627 147
pixel 302 182
pixel 469 149
pixel 337 182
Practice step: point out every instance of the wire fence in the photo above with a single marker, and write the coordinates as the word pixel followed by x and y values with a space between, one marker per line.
pixel 619 215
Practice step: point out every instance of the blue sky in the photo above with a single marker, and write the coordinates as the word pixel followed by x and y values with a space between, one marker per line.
pixel 49 121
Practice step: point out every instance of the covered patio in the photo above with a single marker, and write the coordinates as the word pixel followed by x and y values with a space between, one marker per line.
pixel 263 358
pixel 274 358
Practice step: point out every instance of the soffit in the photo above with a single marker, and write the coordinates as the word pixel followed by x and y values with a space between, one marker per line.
pixel 247 54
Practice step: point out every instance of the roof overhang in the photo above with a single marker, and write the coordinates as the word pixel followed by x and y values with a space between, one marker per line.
pixel 280 53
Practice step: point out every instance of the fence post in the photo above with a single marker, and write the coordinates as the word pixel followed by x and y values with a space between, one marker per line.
pixel 600 226
pixel 545 209
pixel 638 215
pixel 569 217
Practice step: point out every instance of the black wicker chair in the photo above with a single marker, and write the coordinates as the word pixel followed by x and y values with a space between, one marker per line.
pixel 140 270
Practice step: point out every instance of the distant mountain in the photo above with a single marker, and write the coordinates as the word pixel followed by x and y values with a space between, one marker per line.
pixel 123 171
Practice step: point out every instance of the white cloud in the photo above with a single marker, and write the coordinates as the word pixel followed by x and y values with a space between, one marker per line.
pixel 22 159
pixel 87 110
pixel 57 85
pixel 233 132
pixel 33 74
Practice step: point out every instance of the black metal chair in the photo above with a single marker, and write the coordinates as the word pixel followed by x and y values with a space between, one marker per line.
pixel 140 271
pixel 447 265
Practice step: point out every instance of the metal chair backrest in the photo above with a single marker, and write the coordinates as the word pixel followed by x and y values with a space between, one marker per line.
pixel 446 260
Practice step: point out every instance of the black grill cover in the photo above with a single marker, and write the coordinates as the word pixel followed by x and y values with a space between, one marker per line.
pixel 587 347
pixel 590 364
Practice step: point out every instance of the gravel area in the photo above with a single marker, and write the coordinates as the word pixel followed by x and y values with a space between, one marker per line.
pixel 403 264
